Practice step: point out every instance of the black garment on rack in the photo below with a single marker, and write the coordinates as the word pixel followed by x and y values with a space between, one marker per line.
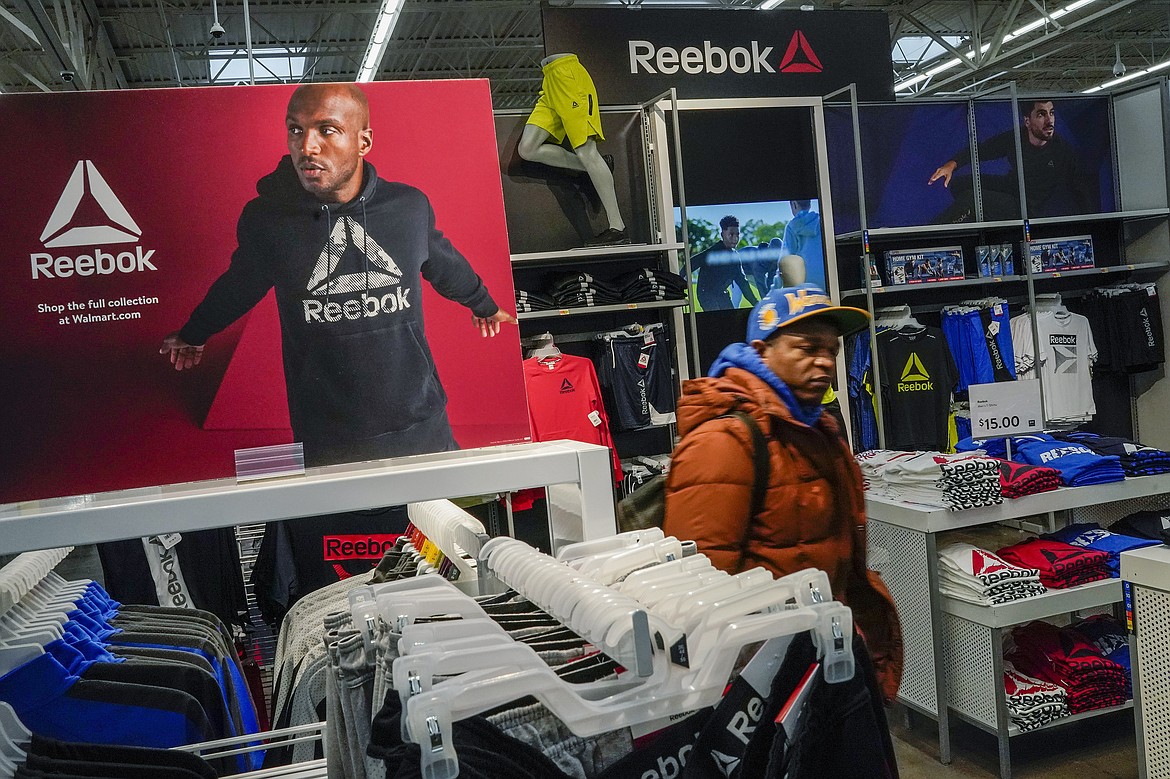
pixel 1127 328
pixel 842 732
pixel 484 752
pixel 300 556
pixel 209 560
pixel 918 375
pixel 636 376
pixel 98 753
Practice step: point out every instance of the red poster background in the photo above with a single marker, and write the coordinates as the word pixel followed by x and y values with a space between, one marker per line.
pixel 91 407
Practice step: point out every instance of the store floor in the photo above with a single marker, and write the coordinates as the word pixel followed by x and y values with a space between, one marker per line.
pixel 1102 748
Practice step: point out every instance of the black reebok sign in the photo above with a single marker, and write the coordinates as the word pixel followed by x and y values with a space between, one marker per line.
pixel 635 54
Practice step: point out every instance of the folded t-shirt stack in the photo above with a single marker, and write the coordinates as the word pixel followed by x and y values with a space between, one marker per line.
pixel 575 290
pixel 1136 459
pixel 1062 656
pixel 1145 524
pixel 648 284
pixel 1032 702
pixel 873 462
pixel 952 481
pixel 972 574
pixel 533 301
pixel 1090 535
pixel 1061 565
pixel 1078 464
pixel 1108 635
pixel 1019 479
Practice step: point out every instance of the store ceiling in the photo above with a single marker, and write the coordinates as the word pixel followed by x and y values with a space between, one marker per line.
pixel 108 44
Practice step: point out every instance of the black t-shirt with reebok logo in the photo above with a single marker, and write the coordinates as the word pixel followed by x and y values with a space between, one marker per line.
pixel 918 375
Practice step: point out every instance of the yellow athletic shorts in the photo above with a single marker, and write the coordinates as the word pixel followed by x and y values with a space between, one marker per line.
pixel 568 103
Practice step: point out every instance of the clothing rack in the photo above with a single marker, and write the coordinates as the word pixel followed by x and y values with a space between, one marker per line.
pixel 457 535
pixel 603 591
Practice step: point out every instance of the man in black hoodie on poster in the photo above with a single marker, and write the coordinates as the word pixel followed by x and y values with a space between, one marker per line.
pixel 345 251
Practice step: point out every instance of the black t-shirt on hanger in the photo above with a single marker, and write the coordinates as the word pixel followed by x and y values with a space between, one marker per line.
pixel 918 375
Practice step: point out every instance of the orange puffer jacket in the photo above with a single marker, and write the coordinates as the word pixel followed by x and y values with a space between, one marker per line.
pixel 814 508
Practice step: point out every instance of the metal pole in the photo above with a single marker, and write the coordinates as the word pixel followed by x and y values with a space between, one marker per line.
pixel 248 43
pixel 866 268
pixel 682 209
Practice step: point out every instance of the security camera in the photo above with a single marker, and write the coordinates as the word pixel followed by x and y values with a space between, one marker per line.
pixel 1118 69
pixel 67 76
pixel 217 31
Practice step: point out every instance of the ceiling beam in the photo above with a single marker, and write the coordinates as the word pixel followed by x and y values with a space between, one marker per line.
pixel 1024 48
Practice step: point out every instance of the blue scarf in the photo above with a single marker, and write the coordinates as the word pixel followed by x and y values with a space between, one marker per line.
pixel 740 355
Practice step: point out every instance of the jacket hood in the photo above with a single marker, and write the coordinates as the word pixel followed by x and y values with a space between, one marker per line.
pixel 806 224
pixel 283 186
pixel 743 356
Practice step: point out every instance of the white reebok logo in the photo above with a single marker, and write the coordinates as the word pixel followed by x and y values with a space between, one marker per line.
pixel 85 178
pixel 380 270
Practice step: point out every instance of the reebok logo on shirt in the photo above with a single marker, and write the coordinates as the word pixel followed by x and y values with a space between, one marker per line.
pixel 351 261
pixel 914 376
pixel 1063 451
pixel 357 547
pixel 1064 350
pixel 566 386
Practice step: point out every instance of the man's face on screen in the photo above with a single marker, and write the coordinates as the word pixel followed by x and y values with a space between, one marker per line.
pixel 327 138
pixel 1041 122
pixel 730 236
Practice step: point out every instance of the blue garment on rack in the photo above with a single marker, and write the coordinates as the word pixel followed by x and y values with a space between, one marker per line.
pixel 861 411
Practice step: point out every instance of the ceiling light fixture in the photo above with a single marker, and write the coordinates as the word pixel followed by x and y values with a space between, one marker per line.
pixel 768 4
pixel 902 86
pixel 383 28
pixel 1128 77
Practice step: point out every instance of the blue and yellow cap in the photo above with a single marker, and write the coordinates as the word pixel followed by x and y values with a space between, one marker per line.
pixel 781 307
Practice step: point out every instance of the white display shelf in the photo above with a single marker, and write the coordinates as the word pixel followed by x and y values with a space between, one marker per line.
pixel 1101 593
pixel 109 516
pixel 1147 213
pixel 933 285
pixel 1147 567
pixel 961 227
pixel 594 253
pixel 1102 271
pixel 926 519
pixel 1014 730
pixel 554 312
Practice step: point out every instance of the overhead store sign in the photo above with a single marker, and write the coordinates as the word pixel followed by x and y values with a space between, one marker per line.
pixel 635 54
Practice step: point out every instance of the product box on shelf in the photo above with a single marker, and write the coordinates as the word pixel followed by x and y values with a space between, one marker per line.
pixel 1059 254
pixel 997 259
pixel 916 266
pixel 875 278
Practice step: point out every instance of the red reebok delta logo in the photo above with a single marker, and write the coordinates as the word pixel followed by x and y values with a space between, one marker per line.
pixel 799 57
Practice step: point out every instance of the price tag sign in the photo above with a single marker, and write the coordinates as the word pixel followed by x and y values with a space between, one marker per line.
pixel 1005 408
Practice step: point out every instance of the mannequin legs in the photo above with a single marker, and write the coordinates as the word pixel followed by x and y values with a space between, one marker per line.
pixel 535 146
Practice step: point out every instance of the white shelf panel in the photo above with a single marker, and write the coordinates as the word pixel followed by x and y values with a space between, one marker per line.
pixel 961 227
pixel 933 285
pixel 1049 604
pixel 1014 730
pixel 554 312
pixel 1102 271
pixel 1147 213
pixel 204 505
pixel 1147 567
pixel 925 519
pixel 594 253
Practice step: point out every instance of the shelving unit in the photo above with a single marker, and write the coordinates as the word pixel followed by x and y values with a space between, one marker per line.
pixel 553 312
pixel 593 253
pixel 954 658
pixel 1146 573
pixel 112 516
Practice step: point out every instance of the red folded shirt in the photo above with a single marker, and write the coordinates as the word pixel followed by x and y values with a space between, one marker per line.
pixel 1055 560
pixel 1019 479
